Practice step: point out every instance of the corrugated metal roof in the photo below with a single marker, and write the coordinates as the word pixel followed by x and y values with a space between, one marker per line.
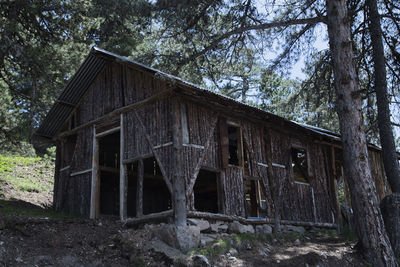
pixel 71 95
pixel 80 82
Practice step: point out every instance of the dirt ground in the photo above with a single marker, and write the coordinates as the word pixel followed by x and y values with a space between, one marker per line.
pixel 28 241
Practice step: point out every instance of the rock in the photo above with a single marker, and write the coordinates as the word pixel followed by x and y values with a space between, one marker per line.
pixel 238 228
pixel 218 227
pixel 390 207
pixel 160 247
pixel 233 252
pixel 200 261
pixel 202 224
pixel 291 228
pixel 297 242
pixel 2 224
pixel 263 252
pixel 263 229
pixel 69 260
pixel 205 239
pixel 42 260
pixel 181 237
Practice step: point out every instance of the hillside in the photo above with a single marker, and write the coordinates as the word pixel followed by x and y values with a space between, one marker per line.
pixel 28 179
pixel 31 234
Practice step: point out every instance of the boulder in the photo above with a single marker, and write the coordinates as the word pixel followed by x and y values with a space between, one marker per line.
pixel 180 237
pixel 238 228
pixel 263 229
pixel 160 247
pixel 202 224
pixel 218 227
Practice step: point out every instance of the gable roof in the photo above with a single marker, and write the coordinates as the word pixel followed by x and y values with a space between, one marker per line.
pixel 76 88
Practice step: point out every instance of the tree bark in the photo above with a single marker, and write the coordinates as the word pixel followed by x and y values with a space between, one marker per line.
pixel 370 228
pixel 390 161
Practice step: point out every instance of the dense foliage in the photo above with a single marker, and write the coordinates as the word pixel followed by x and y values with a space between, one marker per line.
pixel 244 49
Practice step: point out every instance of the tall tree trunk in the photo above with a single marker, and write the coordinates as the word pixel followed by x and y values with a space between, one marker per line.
pixel 390 161
pixel 370 228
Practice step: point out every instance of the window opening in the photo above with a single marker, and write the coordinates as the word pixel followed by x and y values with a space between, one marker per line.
pixel 300 165
pixel 234 145
pixel 206 192
pixel 256 203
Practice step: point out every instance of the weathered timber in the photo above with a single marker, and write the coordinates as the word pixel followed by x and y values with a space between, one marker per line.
pixel 139 189
pixel 153 217
pixel 231 218
pixel 123 175
pixel 155 153
pixel 94 193
pixel 117 112
pixel 178 184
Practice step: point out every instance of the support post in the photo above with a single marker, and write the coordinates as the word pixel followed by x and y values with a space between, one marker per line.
pixel 139 189
pixel 123 192
pixel 178 183
pixel 94 205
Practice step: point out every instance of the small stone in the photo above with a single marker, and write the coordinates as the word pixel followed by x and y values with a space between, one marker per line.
pixel 18 259
pixel 263 229
pixel 233 252
pixel 298 229
pixel 297 242
pixel 323 255
pixel 200 261
pixel 99 224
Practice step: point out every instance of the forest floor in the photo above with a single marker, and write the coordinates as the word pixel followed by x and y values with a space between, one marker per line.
pixel 31 234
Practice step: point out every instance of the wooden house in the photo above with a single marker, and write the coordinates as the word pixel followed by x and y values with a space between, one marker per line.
pixel 141 144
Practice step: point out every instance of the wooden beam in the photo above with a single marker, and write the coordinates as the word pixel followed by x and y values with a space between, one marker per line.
pixel 160 165
pixel 153 217
pixel 202 156
pixel 95 176
pixel 117 112
pixel 80 172
pixel 145 156
pixel 139 189
pixel 230 218
pixel 123 178
pixel 178 184
pixel 113 130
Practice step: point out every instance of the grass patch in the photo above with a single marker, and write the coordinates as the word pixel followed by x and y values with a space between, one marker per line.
pixel 9 209
pixel 27 174
pixel 218 247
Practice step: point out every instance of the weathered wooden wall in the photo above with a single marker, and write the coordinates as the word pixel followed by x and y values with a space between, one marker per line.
pixel 301 202
pixel 147 132
pixel 378 174
pixel 72 193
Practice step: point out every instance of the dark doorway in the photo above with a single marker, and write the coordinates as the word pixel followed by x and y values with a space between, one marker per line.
pixel 109 158
pixel 156 196
pixel 206 192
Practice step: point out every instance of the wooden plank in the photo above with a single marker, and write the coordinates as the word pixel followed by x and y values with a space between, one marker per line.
pixel 185 128
pixel 117 112
pixel 160 165
pixel 123 179
pixel 201 159
pixel 224 141
pixel 95 175
pixel 145 156
pixel 113 130
pixel 139 189
pixel 153 217
pixel 80 172
pixel 65 168
pixel 178 185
